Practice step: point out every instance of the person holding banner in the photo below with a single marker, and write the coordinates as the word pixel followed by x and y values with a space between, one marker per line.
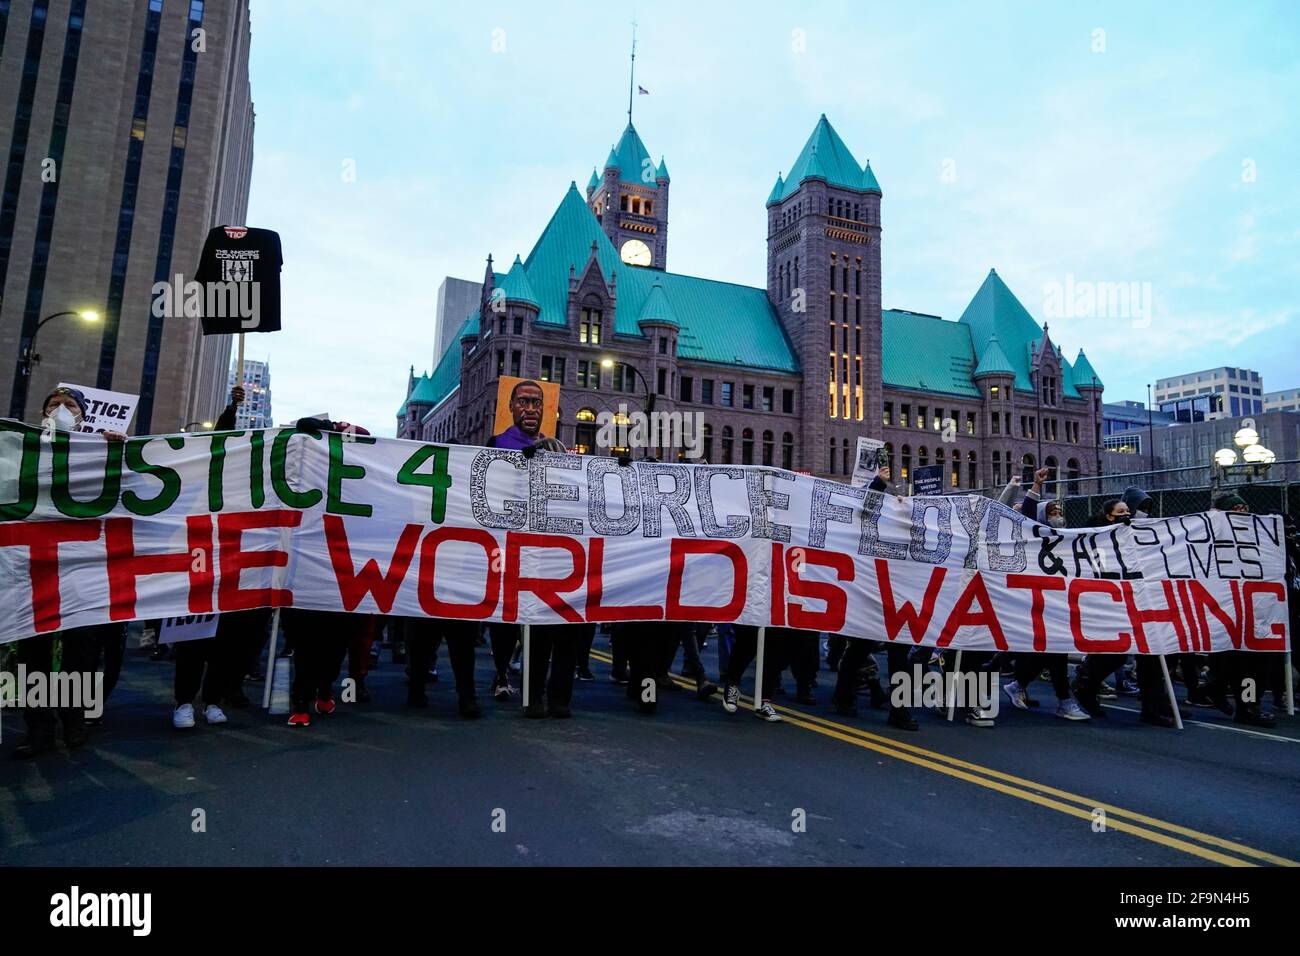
pixel 1097 667
pixel 423 635
pixel 844 697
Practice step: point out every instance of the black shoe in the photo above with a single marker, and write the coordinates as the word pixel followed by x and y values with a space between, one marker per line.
pixel 1156 718
pixel 1088 701
pixel 664 682
pixel 469 708
pixel 32 747
pixel 75 735
pixel 1252 715
pixel 255 676
pixel 618 675
pixel 239 700
pixel 1199 698
pixel 705 688
pixel 648 707
pixel 844 709
pixel 416 698
pixel 805 695
pixel 363 695
pixel 585 674
pixel 534 711
pixel 560 711
pixel 901 718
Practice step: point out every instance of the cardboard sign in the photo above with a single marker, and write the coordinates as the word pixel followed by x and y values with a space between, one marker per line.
pixel 927 480
pixel 194 627
pixel 867 463
pixel 105 411
pixel 550 404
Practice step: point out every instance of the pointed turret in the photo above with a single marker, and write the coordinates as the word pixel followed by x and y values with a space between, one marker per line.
pixel 869 183
pixel 661 173
pixel 778 190
pixel 657 310
pixel 993 361
pixel 1085 376
pixel 516 286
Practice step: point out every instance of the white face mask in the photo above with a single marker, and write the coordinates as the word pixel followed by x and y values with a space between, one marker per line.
pixel 1056 521
pixel 62 419
pixel 1139 513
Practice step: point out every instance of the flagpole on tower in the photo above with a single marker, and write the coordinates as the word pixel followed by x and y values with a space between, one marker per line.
pixel 631 79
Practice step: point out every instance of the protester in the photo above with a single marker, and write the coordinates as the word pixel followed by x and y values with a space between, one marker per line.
pixel 856 654
pixel 743 652
pixel 1096 667
pixel 423 635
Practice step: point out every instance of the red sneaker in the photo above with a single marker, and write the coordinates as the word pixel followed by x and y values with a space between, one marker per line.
pixel 300 719
pixel 325 705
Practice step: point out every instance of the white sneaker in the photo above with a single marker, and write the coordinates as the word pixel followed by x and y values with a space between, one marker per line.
pixel 183 717
pixel 730 698
pixel 1017 695
pixel 765 711
pixel 213 714
pixel 1070 710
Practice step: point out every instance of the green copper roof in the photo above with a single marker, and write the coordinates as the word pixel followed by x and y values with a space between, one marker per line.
pixel 994 361
pixel 594 181
pixel 632 159
pixel 826 156
pixel 516 286
pixel 719 321
pixel 433 389
pixel 869 183
pixel 662 171
pixel 996 310
pixel 1085 376
pixel 774 196
pixel 942 364
pixel 657 308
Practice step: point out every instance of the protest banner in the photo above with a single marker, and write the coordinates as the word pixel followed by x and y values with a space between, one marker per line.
pixel 927 480
pixel 866 463
pixel 191 627
pixel 94 531
pixel 106 411
pixel 550 404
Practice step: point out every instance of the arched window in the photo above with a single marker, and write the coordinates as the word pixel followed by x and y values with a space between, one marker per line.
pixel 584 432
pixel 922 457
pixel 586 415
pixel 973 476
pixel 906 471
pixel 787 451
pixel 747 446
pixel 938 460
pixel 1027 468
pixel 769 443
pixel 708 443
pixel 728 445
pixel 1072 475
pixel 1052 476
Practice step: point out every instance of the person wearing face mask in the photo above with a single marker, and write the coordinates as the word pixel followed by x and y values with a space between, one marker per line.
pixel 1097 667
pixel 63 410
pixel 1029 666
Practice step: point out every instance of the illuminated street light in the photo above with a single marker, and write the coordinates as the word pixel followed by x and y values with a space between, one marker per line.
pixel 1225 457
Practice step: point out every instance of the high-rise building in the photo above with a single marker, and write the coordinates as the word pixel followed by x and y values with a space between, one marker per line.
pixel 456 299
pixel 1287 400
pixel 789 374
pixel 127 128
pixel 1211 394
pixel 256 410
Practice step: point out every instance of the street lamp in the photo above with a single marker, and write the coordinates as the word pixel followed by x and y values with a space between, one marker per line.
pixel 1246 436
pixel 1225 457
pixel 30 357
pixel 206 426
pixel 608 362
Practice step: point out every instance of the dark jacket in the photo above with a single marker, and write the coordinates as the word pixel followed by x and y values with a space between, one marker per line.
pixel 1135 498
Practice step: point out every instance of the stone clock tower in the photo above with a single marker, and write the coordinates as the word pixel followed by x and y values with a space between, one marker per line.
pixel 630 199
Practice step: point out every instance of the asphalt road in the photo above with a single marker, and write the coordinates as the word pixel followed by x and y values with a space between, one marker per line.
pixel 380 784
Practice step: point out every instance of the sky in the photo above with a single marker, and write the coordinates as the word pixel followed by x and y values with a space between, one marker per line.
pixel 1078 149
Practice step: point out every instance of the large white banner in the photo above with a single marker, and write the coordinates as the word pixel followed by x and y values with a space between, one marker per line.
pixel 92 531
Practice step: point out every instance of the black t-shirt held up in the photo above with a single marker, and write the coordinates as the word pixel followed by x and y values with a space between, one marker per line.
pixel 241 254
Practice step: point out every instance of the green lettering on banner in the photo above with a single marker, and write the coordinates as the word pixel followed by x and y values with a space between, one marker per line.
pixel 28 487
pixel 171 480
pixel 217 469
pixel 61 493
pixel 438 478
pixel 338 472
pixel 256 484
pixel 280 482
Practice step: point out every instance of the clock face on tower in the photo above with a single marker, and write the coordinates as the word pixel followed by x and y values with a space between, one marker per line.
pixel 636 253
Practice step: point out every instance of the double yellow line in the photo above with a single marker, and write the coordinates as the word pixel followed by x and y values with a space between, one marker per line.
pixel 1194 842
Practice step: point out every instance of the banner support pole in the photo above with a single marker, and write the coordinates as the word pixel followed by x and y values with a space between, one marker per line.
pixel 1290 684
pixel 239 365
pixel 758 667
pixel 1169 689
pixel 952 688
pixel 269 677
pixel 527 668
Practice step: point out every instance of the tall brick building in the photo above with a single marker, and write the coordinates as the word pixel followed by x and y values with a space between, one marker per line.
pixel 127 127
pixel 789 375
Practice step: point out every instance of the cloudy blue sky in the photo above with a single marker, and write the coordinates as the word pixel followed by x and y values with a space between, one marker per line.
pixel 1155 144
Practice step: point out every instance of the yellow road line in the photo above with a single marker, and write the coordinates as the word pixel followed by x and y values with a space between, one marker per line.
pixel 1023 788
